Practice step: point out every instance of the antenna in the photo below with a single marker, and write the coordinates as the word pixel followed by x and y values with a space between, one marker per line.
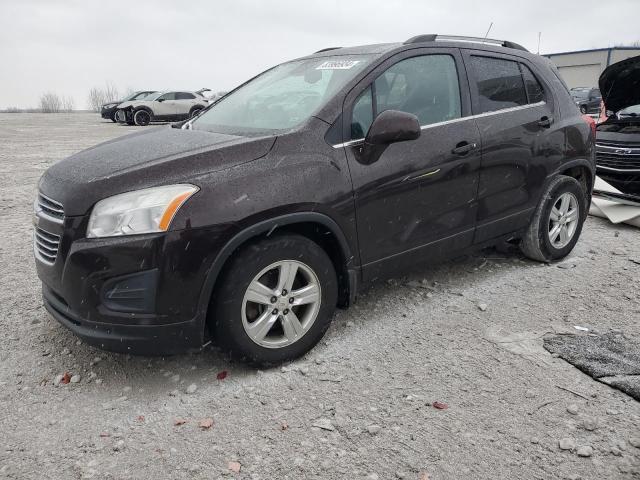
pixel 539 35
pixel 487 34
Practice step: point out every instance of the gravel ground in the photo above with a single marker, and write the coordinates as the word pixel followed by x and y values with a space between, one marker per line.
pixel 360 405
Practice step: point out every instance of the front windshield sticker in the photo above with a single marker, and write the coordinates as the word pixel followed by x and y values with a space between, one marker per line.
pixel 337 65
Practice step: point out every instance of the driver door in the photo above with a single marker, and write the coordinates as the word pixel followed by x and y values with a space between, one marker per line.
pixel 418 200
pixel 165 105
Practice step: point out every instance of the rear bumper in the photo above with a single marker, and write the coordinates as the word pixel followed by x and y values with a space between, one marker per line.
pixel 137 339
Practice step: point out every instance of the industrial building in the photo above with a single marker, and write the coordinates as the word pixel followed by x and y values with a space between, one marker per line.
pixel 583 68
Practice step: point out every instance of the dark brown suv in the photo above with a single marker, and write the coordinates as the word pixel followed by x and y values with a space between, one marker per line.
pixel 254 220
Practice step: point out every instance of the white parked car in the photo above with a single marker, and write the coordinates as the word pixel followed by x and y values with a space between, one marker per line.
pixel 161 107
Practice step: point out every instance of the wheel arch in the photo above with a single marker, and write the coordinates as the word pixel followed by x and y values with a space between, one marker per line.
pixel 141 107
pixel 582 171
pixel 316 226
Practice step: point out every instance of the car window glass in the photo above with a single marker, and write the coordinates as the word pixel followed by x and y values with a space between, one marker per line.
pixel 426 86
pixel 184 96
pixel 362 116
pixel 534 89
pixel 499 83
pixel 168 96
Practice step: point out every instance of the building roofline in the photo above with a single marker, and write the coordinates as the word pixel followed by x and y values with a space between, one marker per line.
pixel 591 50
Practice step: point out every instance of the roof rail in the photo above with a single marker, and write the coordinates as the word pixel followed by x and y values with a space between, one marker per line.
pixel 455 38
pixel 326 49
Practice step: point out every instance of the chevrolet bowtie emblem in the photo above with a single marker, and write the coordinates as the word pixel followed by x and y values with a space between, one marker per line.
pixel 624 151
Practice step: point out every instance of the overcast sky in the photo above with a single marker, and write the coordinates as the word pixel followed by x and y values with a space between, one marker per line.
pixel 69 46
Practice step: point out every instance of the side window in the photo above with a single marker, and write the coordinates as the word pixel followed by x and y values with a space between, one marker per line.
pixel 426 86
pixel 499 83
pixel 534 89
pixel 168 96
pixel 184 96
pixel 362 116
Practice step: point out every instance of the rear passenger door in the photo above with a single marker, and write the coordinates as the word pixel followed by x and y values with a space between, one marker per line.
pixel 417 201
pixel 514 119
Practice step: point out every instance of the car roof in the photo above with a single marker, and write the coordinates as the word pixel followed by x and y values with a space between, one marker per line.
pixel 428 40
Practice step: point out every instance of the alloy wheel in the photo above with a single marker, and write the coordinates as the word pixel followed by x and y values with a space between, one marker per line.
pixel 281 304
pixel 563 220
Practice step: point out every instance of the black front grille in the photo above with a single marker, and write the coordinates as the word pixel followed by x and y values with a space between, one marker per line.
pixel 618 155
pixel 46 245
pixel 50 207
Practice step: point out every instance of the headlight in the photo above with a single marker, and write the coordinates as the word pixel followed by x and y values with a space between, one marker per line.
pixel 142 211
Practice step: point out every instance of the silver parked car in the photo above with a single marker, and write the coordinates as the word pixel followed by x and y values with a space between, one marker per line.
pixel 161 106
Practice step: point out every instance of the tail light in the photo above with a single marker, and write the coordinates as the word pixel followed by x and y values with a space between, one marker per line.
pixel 591 122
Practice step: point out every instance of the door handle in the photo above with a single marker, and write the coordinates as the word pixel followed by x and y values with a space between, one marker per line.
pixel 463 148
pixel 545 121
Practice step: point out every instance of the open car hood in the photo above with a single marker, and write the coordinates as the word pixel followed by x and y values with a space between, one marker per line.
pixel 620 84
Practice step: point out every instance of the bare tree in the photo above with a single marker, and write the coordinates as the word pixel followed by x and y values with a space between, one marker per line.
pixel 50 102
pixel 99 96
pixel 111 93
pixel 68 104
pixel 96 99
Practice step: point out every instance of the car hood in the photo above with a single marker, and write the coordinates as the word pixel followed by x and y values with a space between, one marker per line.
pixel 620 84
pixel 158 156
pixel 130 103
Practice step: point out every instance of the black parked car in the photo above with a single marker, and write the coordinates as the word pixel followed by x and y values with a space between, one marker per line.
pixel 587 99
pixel 254 220
pixel 108 110
pixel 618 142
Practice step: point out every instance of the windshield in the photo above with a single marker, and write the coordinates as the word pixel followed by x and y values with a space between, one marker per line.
pixel 152 96
pixel 282 97
pixel 579 93
pixel 136 96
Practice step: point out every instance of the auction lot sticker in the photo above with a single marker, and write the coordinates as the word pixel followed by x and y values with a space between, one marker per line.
pixel 337 65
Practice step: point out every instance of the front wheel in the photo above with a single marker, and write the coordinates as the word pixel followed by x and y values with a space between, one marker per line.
pixel 142 118
pixel 557 222
pixel 275 301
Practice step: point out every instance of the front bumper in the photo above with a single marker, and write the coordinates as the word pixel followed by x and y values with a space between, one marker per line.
pixel 138 339
pixel 108 113
pixel 138 294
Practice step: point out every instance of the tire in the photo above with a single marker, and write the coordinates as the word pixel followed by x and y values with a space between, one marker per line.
pixel 113 117
pixel 583 109
pixel 142 118
pixel 195 111
pixel 120 116
pixel 537 243
pixel 235 315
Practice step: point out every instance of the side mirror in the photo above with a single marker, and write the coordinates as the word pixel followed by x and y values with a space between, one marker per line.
pixel 161 100
pixel 389 127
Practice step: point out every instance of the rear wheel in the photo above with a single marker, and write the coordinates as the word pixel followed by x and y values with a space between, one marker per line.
pixel 142 118
pixel 275 300
pixel 557 222
pixel 583 109
pixel 195 111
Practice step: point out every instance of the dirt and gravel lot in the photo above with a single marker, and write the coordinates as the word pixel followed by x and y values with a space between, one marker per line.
pixel 468 334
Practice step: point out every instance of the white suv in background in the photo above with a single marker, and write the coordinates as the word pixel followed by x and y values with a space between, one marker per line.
pixel 161 106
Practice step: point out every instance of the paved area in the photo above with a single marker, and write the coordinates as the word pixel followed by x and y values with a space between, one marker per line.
pixel 467 334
